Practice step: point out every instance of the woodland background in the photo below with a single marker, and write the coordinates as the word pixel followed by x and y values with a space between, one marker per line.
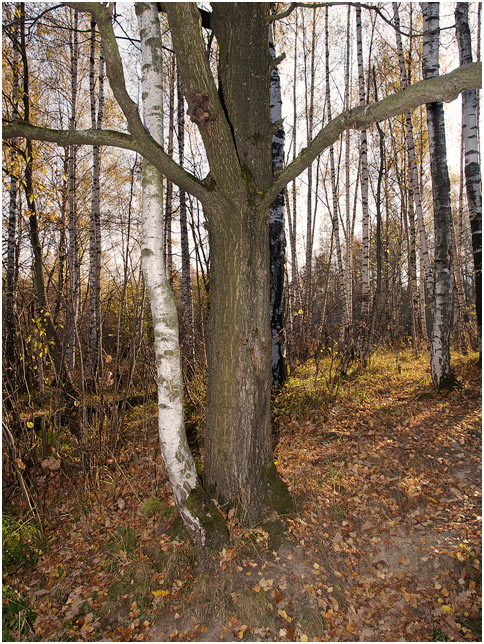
pixel 84 489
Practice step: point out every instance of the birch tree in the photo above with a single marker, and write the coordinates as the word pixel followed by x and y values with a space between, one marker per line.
pixel 365 242
pixel 94 329
pixel 440 368
pixel 73 251
pixel 472 168
pixel 174 447
pixel 233 119
pixel 276 229
pixel 414 180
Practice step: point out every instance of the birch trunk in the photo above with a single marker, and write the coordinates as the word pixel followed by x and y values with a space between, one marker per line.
pixel 335 202
pixel 277 239
pixel 414 181
pixel 348 268
pixel 365 242
pixel 440 367
pixel 73 252
pixel 93 354
pixel 308 286
pixel 11 281
pixel 471 157
pixel 189 495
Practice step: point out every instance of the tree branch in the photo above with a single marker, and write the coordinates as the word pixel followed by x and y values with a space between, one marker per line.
pixel 145 146
pixel 441 88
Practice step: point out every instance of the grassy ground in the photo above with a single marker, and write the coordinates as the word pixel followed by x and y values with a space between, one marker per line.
pixel 385 544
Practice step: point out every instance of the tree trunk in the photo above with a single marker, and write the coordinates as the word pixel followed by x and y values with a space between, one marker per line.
pixel 167 238
pixel 186 281
pixel 238 449
pixel 192 502
pixel 334 192
pixel 414 182
pixel 74 275
pixel 276 233
pixel 93 354
pixel 365 242
pixel 471 164
pixel 441 371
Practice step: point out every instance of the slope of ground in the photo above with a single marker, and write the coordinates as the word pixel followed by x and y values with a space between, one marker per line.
pixel 386 474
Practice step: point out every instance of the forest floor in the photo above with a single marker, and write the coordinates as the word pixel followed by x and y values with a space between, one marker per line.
pixel 385 544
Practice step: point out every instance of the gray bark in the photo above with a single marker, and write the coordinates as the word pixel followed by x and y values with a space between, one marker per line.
pixel 440 367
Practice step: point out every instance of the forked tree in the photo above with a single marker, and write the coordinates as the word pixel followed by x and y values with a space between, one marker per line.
pixel 233 117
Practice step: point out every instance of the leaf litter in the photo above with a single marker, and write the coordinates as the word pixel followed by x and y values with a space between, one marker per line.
pixel 385 545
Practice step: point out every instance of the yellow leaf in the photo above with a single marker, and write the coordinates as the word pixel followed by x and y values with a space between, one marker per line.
pixel 304 638
pixel 284 615
pixel 161 593
pixel 447 609
pixel 431 499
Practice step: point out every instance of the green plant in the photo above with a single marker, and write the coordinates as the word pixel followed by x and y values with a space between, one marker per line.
pixel 17 616
pixel 124 539
pixel 152 506
pixel 22 541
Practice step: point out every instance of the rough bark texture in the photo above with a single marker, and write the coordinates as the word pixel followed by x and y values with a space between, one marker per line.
pixel 186 281
pixel 471 156
pixel 441 371
pixel 238 442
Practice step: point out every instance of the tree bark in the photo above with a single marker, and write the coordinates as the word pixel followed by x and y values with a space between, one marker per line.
pixel 73 253
pixel 186 280
pixel 414 182
pixel 191 500
pixel 93 354
pixel 365 241
pixel 472 168
pixel 276 233
pixel 440 367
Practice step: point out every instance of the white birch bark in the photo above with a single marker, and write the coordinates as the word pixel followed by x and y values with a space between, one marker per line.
pixel 174 447
pixel 94 331
pixel 277 239
pixel 441 372
pixel 414 181
pixel 334 192
pixel 349 231
pixel 365 242
pixel 471 155
pixel 73 253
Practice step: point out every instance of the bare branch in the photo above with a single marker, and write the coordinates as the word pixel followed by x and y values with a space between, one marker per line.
pixel 441 88
pixel 145 146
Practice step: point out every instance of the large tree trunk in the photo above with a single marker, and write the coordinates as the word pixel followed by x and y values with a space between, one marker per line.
pixel 441 371
pixel 238 452
pixel 471 163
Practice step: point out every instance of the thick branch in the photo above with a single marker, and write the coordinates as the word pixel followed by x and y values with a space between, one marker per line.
pixel 146 146
pixel 442 88
pixel 204 106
